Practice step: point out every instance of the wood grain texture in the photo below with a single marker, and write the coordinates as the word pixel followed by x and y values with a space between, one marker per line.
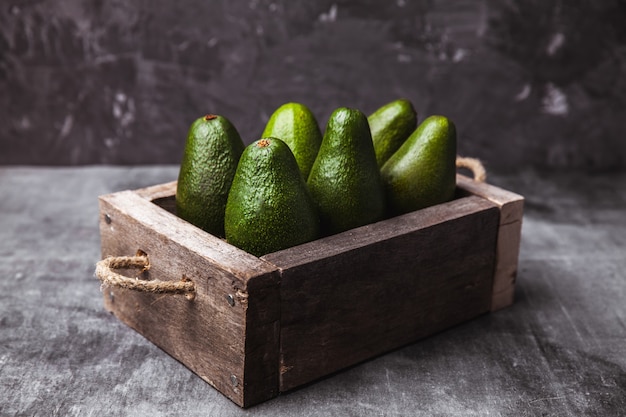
pixel 355 295
pixel 158 191
pixel 509 236
pixel 210 335
pixel 511 204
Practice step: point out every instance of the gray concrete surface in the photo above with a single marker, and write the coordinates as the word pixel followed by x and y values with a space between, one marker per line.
pixel 560 350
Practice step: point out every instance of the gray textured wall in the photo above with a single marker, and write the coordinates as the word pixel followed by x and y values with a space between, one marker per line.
pixel 528 82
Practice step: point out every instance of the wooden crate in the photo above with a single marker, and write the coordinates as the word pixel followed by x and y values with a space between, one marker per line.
pixel 261 326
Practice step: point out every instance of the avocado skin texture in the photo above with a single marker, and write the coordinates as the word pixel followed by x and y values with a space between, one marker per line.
pixel 269 207
pixel 391 125
pixel 296 125
pixel 212 151
pixel 422 172
pixel 345 179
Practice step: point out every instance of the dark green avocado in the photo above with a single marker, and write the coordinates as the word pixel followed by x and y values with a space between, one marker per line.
pixel 345 179
pixel 422 172
pixel 211 155
pixel 391 125
pixel 269 207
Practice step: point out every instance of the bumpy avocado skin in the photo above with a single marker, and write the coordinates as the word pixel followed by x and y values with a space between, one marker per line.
pixel 269 207
pixel 345 179
pixel 391 125
pixel 207 169
pixel 422 172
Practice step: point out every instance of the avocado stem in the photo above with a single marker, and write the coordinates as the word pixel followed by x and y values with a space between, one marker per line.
pixel 210 117
pixel 263 143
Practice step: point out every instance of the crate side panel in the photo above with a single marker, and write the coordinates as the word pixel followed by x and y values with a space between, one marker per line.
pixel 361 302
pixel 507 257
pixel 208 334
pixel 262 341
pixel 363 236
pixel 509 237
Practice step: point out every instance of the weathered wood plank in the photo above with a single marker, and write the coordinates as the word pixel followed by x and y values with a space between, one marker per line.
pixel 211 335
pixel 351 296
pixel 155 192
pixel 507 254
pixel 511 204
pixel 261 373
pixel 509 236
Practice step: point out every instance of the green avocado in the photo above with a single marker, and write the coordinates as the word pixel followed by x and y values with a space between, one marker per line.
pixel 210 158
pixel 391 125
pixel 345 179
pixel 269 207
pixel 422 172
pixel 296 125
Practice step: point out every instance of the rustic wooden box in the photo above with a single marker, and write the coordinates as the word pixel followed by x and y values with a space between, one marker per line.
pixel 261 326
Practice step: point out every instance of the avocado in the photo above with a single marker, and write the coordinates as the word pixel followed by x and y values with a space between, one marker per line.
pixel 391 125
pixel 269 207
pixel 296 125
pixel 345 179
pixel 210 158
pixel 422 171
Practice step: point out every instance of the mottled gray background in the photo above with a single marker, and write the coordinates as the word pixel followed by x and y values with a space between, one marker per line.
pixel 529 83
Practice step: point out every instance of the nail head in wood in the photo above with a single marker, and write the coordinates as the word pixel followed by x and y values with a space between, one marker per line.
pixel 231 300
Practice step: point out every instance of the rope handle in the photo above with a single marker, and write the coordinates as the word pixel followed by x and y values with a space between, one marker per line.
pixel 473 165
pixel 106 275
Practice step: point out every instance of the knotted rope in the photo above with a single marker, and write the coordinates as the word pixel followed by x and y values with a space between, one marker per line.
pixel 473 165
pixel 106 275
